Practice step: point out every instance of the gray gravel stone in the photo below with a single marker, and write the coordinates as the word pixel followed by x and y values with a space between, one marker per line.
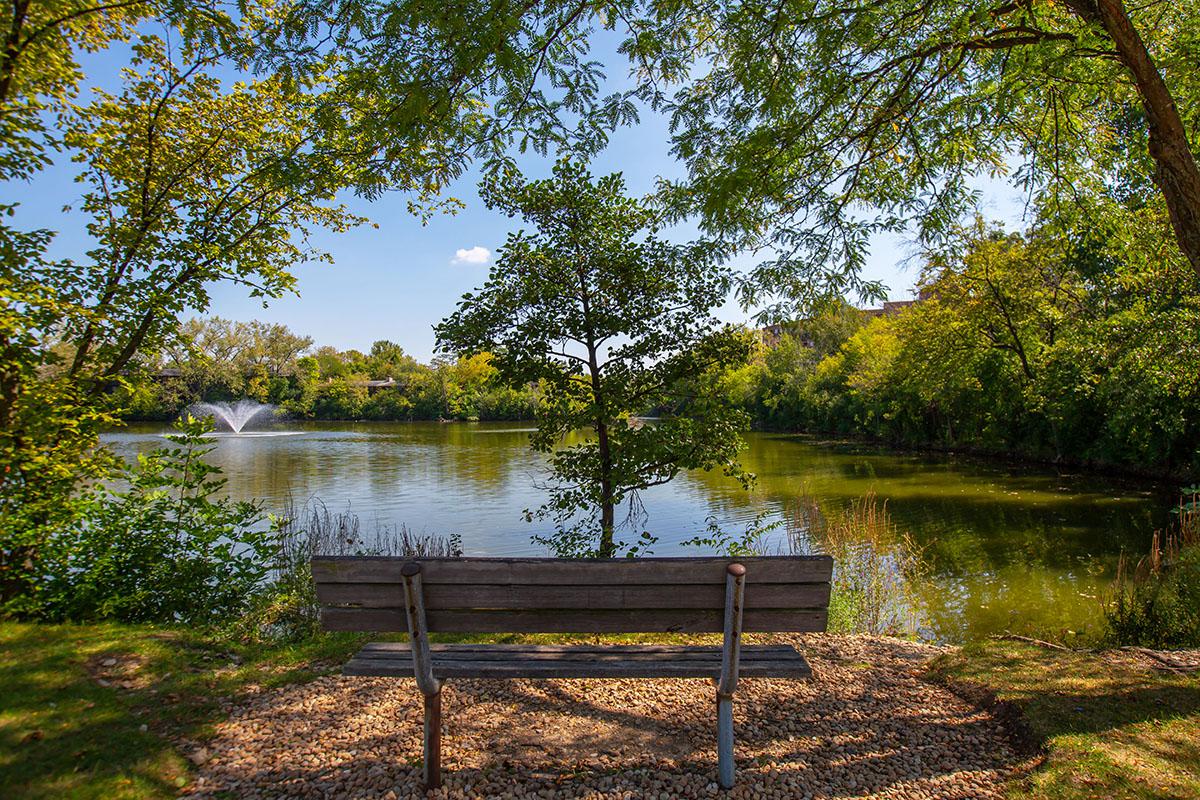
pixel 865 726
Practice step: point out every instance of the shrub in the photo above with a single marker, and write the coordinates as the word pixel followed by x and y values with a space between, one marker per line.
pixel 166 548
pixel 1157 603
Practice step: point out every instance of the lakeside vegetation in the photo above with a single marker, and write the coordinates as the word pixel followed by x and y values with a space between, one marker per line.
pixel 1080 349
pixel 1035 346
pixel 217 359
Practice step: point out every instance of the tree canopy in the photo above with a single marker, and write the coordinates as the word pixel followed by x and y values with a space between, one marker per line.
pixel 806 126
pixel 820 122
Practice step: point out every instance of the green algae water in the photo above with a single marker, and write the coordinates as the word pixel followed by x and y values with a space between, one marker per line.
pixel 1005 547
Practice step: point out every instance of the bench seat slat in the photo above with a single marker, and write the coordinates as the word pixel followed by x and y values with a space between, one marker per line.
pixel 404 647
pixel 501 661
pixel 519 596
pixel 574 620
pixel 573 654
pixel 573 572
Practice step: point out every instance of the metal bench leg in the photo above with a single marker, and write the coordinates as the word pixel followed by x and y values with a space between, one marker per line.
pixel 433 740
pixel 725 772
pixel 735 585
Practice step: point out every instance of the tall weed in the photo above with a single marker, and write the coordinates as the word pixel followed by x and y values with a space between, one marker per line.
pixel 877 568
pixel 290 611
pixel 1156 603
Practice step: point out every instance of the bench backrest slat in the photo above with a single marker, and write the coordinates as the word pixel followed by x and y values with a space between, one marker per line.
pixel 497 595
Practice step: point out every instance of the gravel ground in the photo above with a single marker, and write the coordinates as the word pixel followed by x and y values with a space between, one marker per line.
pixel 865 726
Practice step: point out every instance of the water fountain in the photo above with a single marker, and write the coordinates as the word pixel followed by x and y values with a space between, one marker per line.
pixel 234 416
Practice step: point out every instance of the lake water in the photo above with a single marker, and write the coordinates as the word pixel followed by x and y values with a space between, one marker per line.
pixel 1006 547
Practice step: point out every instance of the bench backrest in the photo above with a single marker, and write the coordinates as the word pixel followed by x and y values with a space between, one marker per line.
pixel 553 595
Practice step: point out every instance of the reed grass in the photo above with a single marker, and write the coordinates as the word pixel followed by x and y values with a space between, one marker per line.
pixel 1156 602
pixel 291 611
pixel 877 567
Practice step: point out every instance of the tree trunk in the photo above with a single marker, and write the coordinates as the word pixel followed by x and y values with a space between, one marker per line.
pixel 607 510
pixel 1175 170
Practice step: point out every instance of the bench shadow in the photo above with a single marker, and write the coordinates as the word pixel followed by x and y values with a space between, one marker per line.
pixel 846 734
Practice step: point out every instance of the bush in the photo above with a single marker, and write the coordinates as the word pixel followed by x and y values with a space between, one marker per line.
pixel 165 549
pixel 1157 604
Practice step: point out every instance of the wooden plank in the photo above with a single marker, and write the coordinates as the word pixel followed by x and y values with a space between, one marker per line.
pixel 574 572
pixel 575 621
pixel 402 668
pixel 518 596
pixel 586 656
pixel 748 651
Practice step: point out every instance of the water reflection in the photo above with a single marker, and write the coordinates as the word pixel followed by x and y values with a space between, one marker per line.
pixel 1007 547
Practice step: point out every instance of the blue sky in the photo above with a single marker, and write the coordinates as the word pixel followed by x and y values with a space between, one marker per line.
pixel 398 280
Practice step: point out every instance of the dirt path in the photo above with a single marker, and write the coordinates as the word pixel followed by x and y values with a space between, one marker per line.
pixel 866 726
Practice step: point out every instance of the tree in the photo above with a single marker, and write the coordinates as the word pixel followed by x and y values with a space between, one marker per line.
pixel 615 322
pixel 388 360
pixel 274 348
pixel 39 73
pixel 190 181
pixel 816 123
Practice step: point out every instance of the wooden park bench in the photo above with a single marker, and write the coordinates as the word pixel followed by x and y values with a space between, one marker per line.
pixel 547 595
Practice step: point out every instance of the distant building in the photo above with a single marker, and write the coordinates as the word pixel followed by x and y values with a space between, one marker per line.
pixel 890 308
pixel 772 334
pixel 374 386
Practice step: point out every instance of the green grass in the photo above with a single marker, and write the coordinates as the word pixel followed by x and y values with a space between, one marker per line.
pixel 1101 729
pixel 64 734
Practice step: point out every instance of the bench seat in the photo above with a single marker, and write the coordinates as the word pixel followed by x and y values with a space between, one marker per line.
pixel 394 660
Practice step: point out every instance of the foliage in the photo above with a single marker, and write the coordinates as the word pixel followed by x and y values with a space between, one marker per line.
pixel 613 323
pixel 188 179
pixel 167 548
pixel 216 359
pixel 748 543
pixel 815 124
pixel 48 426
pixel 39 70
pixel 1080 347
pixel 427 89
pixel 1157 604
pixel 805 126
pixel 219 184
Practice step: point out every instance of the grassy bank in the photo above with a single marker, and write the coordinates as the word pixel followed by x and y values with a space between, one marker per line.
pixel 113 711
pixel 1095 725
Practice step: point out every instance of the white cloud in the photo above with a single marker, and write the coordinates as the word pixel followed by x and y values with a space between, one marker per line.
pixel 476 255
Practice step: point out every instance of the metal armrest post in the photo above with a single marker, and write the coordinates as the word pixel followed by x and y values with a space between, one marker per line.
pixel 431 687
pixel 735 584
